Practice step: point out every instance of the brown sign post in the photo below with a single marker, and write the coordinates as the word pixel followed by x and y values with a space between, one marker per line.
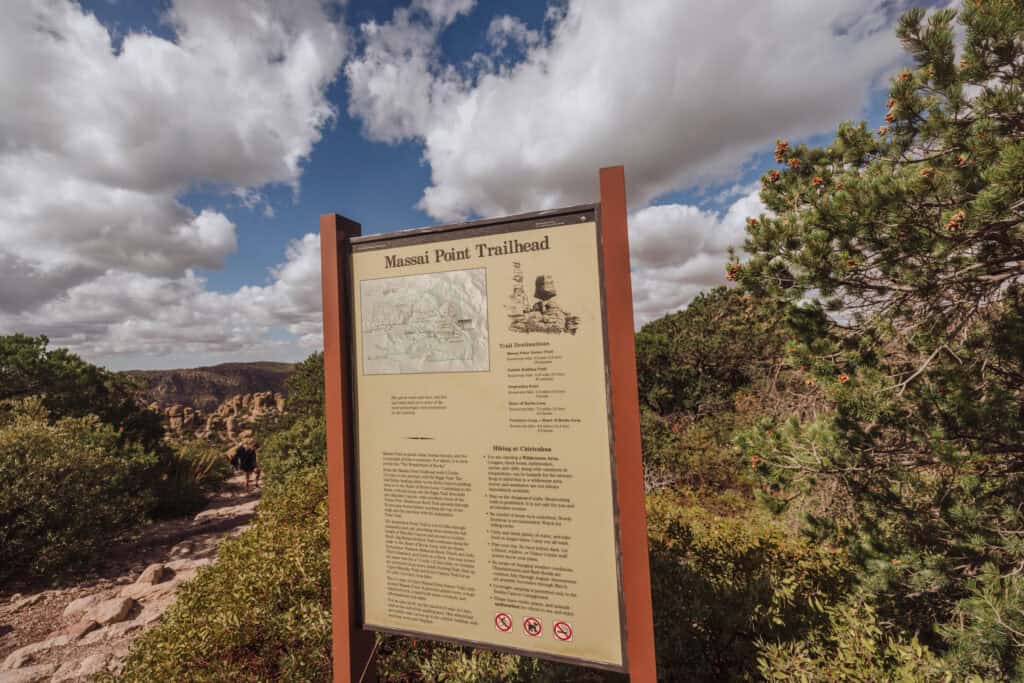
pixel 465 425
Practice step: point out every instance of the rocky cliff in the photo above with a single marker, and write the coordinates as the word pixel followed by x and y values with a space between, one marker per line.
pixel 219 403
pixel 206 388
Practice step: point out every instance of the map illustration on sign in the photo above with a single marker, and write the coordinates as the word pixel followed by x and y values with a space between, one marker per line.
pixel 435 322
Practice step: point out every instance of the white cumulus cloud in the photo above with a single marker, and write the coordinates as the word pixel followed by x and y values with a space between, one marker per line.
pixel 99 140
pixel 680 92
pixel 679 250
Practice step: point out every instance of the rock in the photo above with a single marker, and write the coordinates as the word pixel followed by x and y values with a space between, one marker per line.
pixel 19 658
pixel 66 672
pixel 182 549
pixel 94 636
pixel 24 655
pixel 147 591
pixel 29 674
pixel 185 565
pixel 28 602
pixel 59 641
pixel 124 628
pixel 261 402
pixel 148 616
pixel 81 628
pixel 279 402
pixel 14 598
pixel 92 665
pixel 79 606
pixel 154 574
pixel 112 611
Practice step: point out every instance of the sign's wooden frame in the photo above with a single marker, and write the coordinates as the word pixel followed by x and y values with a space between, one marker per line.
pixel 352 645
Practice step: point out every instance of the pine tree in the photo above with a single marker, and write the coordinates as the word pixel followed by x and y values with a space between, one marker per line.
pixel 904 247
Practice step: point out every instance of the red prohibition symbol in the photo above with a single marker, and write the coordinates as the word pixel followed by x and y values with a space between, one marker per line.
pixel 503 622
pixel 531 626
pixel 562 631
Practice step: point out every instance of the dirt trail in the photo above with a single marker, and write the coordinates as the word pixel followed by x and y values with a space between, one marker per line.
pixel 72 633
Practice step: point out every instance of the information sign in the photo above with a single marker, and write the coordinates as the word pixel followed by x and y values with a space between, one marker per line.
pixel 485 482
pixel 484 463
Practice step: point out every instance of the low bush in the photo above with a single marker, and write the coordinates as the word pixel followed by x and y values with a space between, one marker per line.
pixel 67 489
pixel 853 648
pixel 301 445
pixel 722 583
pixel 187 471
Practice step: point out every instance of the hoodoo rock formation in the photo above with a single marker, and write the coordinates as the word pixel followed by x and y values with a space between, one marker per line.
pixel 229 422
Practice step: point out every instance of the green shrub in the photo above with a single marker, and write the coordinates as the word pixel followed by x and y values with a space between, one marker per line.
pixel 694 360
pixel 302 445
pixel 405 659
pixel 71 387
pixel 67 489
pixel 853 648
pixel 720 584
pixel 262 612
pixel 186 473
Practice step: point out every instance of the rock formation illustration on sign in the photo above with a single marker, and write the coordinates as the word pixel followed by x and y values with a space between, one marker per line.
pixel 543 313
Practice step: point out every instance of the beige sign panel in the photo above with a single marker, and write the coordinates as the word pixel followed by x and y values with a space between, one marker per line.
pixel 485 492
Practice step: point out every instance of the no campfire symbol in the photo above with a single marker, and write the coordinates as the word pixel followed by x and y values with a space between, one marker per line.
pixel 531 625
pixel 562 631
pixel 503 622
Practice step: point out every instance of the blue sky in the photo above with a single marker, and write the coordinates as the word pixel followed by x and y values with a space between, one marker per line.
pixel 163 165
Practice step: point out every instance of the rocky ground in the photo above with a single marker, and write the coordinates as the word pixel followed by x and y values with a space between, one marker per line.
pixel 73 633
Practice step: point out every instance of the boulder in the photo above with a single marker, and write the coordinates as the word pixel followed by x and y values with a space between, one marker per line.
pixel 187 564
pixel 124 628
pixel 80 606
pixel 80 629
pixel 66 672
pixel 112 611
pixel 148 591
pixel 30 674
pixel 92 665
pixel 25 655
pixel 95 636
pixel 22 603
pixel 183 549
pixel 154 574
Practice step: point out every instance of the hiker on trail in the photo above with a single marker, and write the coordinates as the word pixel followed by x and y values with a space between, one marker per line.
pixel 245 459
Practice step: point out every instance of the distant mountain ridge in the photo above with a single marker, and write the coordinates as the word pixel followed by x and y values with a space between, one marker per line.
pixel 207 387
